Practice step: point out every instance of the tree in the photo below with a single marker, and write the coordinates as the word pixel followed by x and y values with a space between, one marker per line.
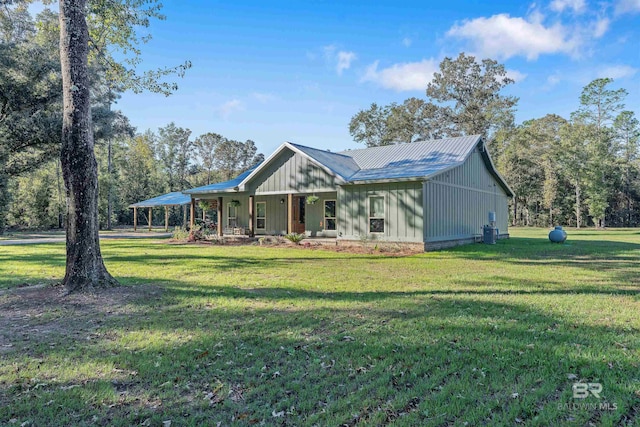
pixel 469 96
pixel 30 99
pixel 175 152
pixel 205 149
pixel 232 157
pixel 85 267
pixel 574 159
pixel 463 99
pixel 370 126
pixel 114 22
pixel 599 106
pixel 627 134
pixel 141 177
pixel 414 120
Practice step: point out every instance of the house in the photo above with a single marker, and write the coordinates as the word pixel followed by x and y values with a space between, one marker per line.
pixel 437 193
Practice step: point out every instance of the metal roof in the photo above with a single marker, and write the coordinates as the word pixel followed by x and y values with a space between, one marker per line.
pixel 222 187
pixel 170 199
pixel 441 152
pixel 340 164
pixel 416 160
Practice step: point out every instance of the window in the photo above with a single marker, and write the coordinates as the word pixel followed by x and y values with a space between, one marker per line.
pixel 261 215
pixel 329 214
pixel 231 215
pixel 376 214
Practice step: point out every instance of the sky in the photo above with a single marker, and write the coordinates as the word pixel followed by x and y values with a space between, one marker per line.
pixel 275 71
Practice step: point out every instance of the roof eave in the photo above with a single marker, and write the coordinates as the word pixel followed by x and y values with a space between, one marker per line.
pixel 387 180
pixel 492 167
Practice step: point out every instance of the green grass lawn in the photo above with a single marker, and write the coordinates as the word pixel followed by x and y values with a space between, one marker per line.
pixel 201 335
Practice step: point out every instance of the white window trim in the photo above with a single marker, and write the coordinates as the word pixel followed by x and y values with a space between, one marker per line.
pixel 229 217
pixel 261 217
pixel 324 211
pixel 383 217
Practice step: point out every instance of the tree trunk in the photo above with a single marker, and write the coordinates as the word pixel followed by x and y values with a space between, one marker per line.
pixel 110 192
pixel 578 210
pixel 85 268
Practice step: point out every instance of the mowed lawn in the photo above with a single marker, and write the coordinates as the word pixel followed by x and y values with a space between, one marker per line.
pixel 223 335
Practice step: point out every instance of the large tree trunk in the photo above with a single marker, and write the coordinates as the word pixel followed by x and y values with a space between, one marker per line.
pixel 85 268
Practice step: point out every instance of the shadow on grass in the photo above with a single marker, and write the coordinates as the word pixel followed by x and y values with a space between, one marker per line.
pixel 455 359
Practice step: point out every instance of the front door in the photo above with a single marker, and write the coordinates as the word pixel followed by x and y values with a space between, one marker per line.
pixel 299 203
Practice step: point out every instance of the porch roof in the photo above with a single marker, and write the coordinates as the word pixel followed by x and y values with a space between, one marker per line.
pixel 175 198
pixel 230 186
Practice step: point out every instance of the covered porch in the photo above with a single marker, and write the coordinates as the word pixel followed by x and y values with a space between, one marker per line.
pixel 314 215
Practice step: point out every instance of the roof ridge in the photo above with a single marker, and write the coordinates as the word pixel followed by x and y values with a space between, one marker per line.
pixel 337 153
pixel 421 141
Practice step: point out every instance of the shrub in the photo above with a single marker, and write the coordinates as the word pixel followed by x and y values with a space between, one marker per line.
pixel 294 238
pixel 180 233
pixel 197 233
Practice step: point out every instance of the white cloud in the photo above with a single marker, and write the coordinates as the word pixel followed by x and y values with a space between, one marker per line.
pixel 404 76
pixel 577 6
pixel 627 6
pixel 516 75
pixel 406 42
pixel 340 59
pixel 617 71
pixel 263 97
pixel 553 79
pixel 344 61
pixel 600 27
pixel 502 36
pixel 230 107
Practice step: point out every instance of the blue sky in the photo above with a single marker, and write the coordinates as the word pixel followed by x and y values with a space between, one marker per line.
pixel 279 71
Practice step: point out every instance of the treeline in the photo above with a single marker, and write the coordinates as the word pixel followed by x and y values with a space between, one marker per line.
pixel 141 167
pixel 577 171
pixel 131 167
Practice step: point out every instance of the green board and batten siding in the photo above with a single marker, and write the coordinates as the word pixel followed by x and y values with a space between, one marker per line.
pixel 458 202
pixel 276 215
pixel 292 173
pixel 403 211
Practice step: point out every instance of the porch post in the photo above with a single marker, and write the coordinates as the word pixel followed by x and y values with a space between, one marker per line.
pixel 251 216
pixel 192 212
pixel 166 218
pixel 135 218
pixel 150 213
pixel 289 213
pixel 220 216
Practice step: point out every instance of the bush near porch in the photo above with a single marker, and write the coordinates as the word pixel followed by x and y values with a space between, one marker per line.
pixel 246 335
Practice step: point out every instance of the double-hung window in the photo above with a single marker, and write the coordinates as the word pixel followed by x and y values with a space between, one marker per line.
pixel 232 211
pixel 376 214
pixel 329 214
pixel 261 215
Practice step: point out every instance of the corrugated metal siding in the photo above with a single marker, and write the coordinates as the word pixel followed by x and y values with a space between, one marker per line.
pixel 276 222
pixel 292 173
pixel 473 173
pixel 458 202
pixel 403 211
